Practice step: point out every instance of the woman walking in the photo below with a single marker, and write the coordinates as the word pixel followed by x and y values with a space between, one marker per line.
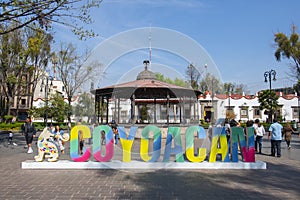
pixel 287 132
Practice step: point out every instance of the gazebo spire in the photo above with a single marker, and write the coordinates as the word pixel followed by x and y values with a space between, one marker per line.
pixel 146 74
pixel 146 63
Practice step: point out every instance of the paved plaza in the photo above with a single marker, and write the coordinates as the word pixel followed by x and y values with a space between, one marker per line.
pixel 280 180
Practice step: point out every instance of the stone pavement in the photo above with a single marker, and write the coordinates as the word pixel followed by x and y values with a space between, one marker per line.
pixel 281 180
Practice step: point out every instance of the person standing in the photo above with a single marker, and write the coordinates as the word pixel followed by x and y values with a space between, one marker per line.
pixel 259 131
pixel 81 142
pixel 29 131
pixel 58 133
pixel 276 137
pixel 287 132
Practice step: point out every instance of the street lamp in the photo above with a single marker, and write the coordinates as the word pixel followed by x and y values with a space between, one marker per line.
pixel 229 90
pixel 268 77
pixel 46 85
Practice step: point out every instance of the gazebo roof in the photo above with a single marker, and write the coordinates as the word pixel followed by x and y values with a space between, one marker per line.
pixel 146 89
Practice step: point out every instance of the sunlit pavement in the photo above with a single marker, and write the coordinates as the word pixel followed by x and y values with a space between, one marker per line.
pixel 279 181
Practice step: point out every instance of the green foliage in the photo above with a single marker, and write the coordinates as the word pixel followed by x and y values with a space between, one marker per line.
pixel 144 113
pixel 203 123
pixel 234 88
pixel 23 13
pixel 210 83
pixel 85 107
pixel 57 109
pixel 8 117
pixel 267 100
pixel 289 47
pixel 193 75
pixel 11 126
pixel 72 71
pixel 177 81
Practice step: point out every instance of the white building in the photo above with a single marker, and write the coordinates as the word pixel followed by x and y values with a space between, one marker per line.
pixel 246 107
pixel 54 86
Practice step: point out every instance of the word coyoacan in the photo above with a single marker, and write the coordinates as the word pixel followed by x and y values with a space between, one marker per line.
pixel 219 144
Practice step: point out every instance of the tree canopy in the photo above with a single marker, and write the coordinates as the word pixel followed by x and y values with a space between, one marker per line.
pixel 72 70
pixel 268 100
pixel 193 76
pixel 85 107
pixel 289 47
pixel 177 81
pixel 24 13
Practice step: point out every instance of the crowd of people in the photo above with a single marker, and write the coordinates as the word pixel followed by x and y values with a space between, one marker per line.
pixel 276 132
pixel 29 132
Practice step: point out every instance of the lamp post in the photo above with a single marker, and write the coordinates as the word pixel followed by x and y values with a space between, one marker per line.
pixel 229 90
pixel 268 77
pixel 46 85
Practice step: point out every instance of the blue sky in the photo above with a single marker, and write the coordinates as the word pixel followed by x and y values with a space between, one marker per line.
pixel 238 35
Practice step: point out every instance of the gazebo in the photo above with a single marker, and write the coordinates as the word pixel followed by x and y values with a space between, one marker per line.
pixel 150 101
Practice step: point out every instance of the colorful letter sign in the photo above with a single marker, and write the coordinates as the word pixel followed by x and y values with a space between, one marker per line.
pixel 103 144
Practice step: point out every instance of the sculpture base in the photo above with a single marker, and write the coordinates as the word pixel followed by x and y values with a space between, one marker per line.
pixel 66 164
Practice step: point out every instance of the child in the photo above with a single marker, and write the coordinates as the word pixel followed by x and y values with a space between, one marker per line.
pixel 10 137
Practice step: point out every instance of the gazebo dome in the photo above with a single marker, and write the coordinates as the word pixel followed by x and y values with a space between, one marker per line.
pixel 146 74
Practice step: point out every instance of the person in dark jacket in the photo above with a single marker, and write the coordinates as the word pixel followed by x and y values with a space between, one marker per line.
pixel 29 131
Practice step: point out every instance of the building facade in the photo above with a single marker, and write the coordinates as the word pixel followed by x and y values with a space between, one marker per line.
pixel 246 107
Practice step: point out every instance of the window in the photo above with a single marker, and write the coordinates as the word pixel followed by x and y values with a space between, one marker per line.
pixel 256 112
pixel 244 112
pixel 295 112
pixel 123 114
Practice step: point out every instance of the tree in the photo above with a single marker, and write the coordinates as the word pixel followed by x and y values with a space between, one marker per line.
pixel 177 81
pixel 24 55
pixel 289 47
pixel 72 71
pixel 210 83
pixel 57 109
pixel 193 76
pixel 13 67
pixel 235 88
pixel 85 107
pixel 240 88
pixel 71 13
pixel 268 100
pixel 39 52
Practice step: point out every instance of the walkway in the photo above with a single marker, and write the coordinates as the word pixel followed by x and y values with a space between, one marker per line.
pixel 280 180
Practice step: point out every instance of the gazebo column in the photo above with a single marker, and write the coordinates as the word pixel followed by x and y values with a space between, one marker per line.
pixel 175 112
pixel 115 110
pixel 155 121
pixel 118 99
pixel 133 109
pixel 180 112
pixel 183 111
pixel 107 107
pixel 97 108
pixel 198 110
pixel 168 114
pixel 191 109
pixel 101 106
pixel 194 110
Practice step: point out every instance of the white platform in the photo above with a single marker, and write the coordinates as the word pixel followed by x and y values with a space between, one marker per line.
pixel 66 164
